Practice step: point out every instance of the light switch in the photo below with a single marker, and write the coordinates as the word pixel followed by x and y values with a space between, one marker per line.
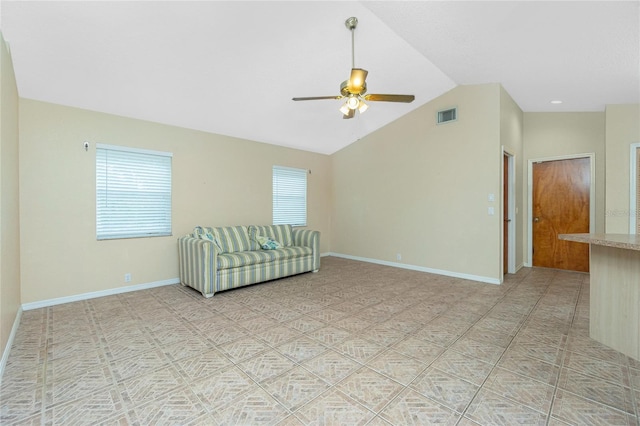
pixel 492 197
pixel 491 211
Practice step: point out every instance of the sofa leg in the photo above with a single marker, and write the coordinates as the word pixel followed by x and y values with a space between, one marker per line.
pixel 208 295
pixel 315 270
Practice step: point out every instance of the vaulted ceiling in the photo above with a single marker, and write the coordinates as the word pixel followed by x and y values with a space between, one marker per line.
pixel 232 67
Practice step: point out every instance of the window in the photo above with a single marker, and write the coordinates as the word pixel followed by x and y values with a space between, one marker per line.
pixel 133 193
pixel 289 196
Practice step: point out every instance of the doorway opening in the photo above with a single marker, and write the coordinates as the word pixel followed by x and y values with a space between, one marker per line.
pixel 508 259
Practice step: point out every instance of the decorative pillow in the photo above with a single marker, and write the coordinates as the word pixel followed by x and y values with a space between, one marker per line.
pixel 267 243
pixel 206 234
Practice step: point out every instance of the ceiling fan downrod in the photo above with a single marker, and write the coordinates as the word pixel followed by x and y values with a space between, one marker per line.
pixel 351 24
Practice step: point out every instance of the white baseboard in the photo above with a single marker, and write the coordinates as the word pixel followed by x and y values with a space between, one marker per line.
pixel 325 254
pixel 527 264
pixel 94 294
pixel 7 349
pixel 479 278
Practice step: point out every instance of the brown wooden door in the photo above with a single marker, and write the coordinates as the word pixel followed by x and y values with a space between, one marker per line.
pixel 561 191
pixel 505 215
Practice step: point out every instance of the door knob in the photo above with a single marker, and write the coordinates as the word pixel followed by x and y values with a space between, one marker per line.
pixel 536 219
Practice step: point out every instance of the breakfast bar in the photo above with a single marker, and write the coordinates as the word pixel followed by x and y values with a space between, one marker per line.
pixel 614 263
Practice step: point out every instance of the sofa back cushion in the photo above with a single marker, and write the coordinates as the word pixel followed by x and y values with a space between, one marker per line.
pixel 233 239
pixel 280 233
pixel 206 234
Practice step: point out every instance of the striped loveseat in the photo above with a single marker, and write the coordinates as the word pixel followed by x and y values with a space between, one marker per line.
pixel 217 259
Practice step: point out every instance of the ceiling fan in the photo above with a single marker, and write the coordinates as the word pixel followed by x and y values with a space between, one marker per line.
pixel 355 88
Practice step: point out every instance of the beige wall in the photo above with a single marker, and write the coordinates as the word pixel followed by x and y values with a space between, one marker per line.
pixel 217 180
pixel 555 134
pixel 622 130
pixel 421 189
pixel 9 199
pixel 511 134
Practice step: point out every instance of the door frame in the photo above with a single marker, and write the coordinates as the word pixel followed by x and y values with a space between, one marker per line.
pixel 511 208
pixel 633 181
pixel 592 195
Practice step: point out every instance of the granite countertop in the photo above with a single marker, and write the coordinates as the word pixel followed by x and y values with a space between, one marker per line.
pixel 623 241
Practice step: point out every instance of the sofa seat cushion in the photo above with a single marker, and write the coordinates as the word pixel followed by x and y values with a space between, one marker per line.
pixel 248 258
pixel 286 253
pixel 243 258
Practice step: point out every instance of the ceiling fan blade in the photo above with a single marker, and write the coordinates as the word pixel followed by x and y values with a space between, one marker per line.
pixel 357 80
pixel 389 98
pixel 316 98
pixel 350 114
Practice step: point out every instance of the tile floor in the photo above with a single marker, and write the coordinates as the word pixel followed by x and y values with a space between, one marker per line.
pixel 354 344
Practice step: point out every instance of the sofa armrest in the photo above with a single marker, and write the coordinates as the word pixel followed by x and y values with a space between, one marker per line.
pixel 198 264
pixel 309 238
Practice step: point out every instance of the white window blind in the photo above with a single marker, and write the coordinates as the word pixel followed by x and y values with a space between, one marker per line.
pixel 289 196
pixel 133 192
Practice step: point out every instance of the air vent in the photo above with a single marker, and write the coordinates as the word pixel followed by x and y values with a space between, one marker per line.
pixel 447 115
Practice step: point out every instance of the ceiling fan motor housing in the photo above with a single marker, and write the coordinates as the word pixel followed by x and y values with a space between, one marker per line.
pixel 344 89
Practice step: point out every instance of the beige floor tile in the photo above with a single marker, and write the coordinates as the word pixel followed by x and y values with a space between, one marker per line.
pixel 611 394
pixel 99 407
pixel 266 365
pixel 70 388
pixel 255 407
pixel 369 388
pixel 243 349
pixel 304 324
pixel 359 349
pixel 202 365
pixel 496 354
pixel 329 335
pixel 401 368
pixel 331 366
pixel 277 335
pixel 488 408
pixel 596 367
pixel 180 406
pixel 295 387
pixel 446 389
pixel 530 367
pixel 482 350
pixel 411 408
pixel 521 389
pixel 473 370
pixel 334 408
pixel 576 410
pixel 140 389
pixel 221 388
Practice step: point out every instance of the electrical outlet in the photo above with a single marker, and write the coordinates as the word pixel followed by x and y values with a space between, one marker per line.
pixel 398 256
pixel 127 278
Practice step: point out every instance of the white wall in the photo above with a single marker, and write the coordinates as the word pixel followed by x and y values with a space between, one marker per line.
pixel 421 189
pixel 622 130
pixel 9 200
pixel 554 134
pixel 217 180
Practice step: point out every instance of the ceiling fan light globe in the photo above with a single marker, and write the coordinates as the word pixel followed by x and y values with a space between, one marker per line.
pixel 353 102
pixel 344 109
pixel 362 107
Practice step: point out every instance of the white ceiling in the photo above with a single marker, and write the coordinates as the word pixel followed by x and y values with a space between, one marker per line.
pixel 232 67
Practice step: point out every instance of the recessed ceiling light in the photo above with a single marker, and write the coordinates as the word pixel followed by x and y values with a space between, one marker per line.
pixel 556 102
